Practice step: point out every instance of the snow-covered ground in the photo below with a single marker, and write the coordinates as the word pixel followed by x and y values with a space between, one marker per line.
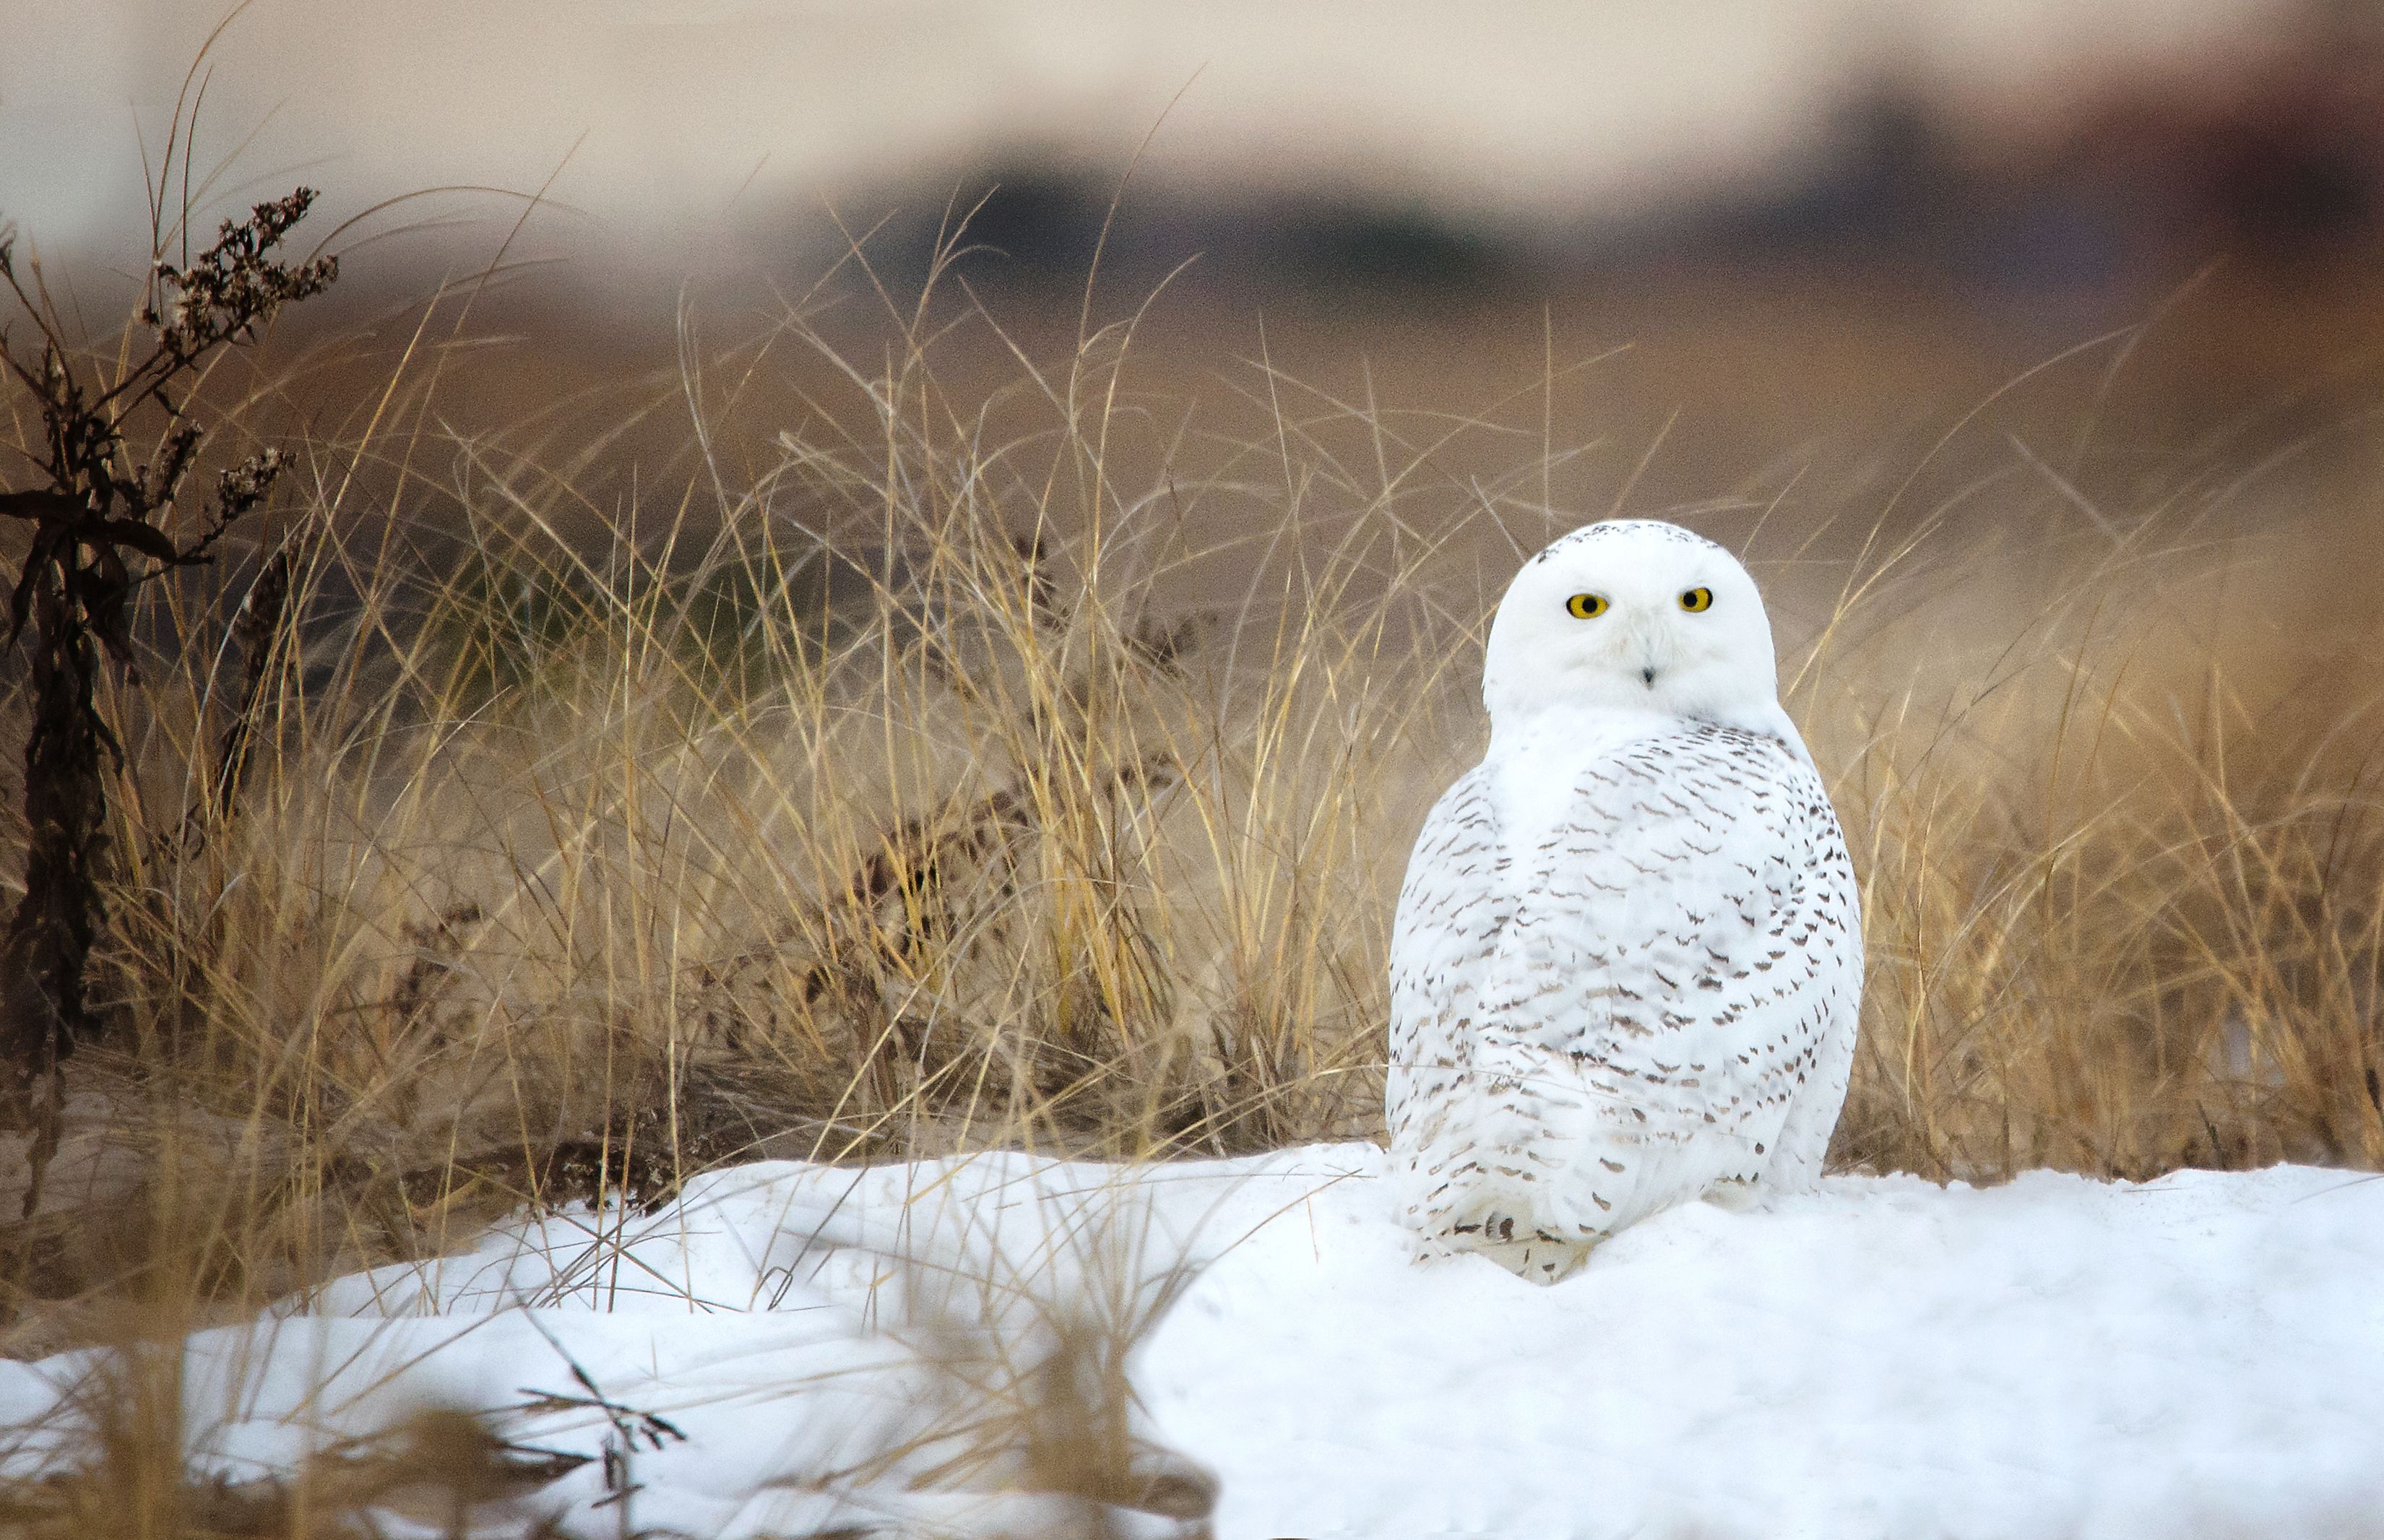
pixel 2202 1354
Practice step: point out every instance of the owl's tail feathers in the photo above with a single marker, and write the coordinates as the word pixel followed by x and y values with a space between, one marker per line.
pixel 1544 1262
pixel 1536 1260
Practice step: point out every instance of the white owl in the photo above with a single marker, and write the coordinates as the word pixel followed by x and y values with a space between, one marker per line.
pixel 1628 956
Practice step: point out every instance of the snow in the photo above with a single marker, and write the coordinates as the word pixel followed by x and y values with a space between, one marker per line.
pixel 2201 1355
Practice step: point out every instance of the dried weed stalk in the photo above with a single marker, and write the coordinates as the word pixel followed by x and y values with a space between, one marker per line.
pixel 101 528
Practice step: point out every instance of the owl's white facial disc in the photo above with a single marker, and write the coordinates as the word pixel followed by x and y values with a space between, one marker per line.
pixel 1635 615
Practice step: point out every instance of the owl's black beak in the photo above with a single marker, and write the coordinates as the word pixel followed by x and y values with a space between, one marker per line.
pixel 1648 675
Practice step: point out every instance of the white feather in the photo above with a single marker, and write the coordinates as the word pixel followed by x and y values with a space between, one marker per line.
pixel 1628 959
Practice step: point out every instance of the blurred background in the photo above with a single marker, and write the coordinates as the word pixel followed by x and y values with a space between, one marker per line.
pixel 2032 351
pixel 1731 252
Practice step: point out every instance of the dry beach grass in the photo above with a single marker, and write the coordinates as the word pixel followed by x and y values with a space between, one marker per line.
pixel 1030 762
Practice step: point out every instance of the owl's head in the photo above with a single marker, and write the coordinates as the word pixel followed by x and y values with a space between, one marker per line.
pixel 1633 614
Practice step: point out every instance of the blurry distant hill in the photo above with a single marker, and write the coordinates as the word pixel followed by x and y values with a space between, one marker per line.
pixel 2118 192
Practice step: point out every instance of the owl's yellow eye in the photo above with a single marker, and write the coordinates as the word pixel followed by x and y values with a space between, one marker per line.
pixel 1697 599
pixel 1585 606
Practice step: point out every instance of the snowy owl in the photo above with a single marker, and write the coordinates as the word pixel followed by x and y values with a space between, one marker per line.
pixel 1627 957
